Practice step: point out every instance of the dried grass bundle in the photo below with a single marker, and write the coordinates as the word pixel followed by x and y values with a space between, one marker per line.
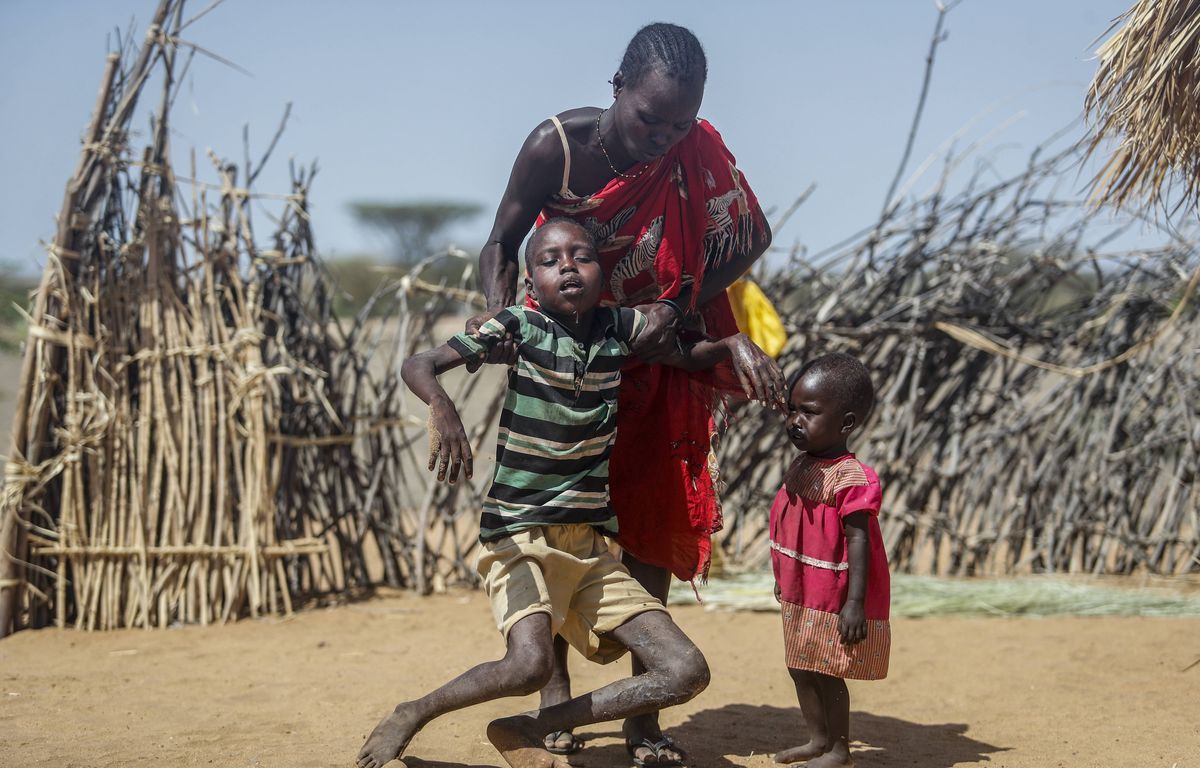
pixel 1146 97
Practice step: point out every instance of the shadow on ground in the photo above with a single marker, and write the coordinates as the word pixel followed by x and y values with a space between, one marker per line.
pixel 713 736
pixel 416 762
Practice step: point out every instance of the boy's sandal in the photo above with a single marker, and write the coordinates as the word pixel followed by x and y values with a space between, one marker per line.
pixel 656 747
pixel 552 740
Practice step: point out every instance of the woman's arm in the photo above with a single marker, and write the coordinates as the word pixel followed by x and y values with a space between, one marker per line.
pixel 530 183
pixel 702 355
pixel 705 354
pixel 758 373
pixel 535 176
pixel 719 278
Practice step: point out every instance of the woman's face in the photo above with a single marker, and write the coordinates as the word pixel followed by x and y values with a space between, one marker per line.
pixel 654 115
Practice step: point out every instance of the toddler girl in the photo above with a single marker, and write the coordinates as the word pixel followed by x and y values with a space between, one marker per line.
pixel 831 571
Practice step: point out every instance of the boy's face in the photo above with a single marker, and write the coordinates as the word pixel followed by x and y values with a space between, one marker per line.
pixel 564 273
pixel 817 421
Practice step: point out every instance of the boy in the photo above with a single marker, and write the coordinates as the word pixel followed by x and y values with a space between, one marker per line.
pixel 545 564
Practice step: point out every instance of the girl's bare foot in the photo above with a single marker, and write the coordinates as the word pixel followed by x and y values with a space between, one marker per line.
pixel 389 738
pixel 814 748
pixel 520 742
pixel 838 757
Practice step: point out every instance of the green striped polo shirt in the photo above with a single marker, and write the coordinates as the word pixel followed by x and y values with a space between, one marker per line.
pixel 559 418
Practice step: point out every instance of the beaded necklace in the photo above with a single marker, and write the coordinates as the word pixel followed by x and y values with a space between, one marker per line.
pixel 613 168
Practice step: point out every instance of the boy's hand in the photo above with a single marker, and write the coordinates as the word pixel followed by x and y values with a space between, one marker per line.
pixel 778 593
pixel 852 623
pixel 505 350
pixel 449 448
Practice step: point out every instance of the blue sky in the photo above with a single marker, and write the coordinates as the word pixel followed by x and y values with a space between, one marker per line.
pixel 408 100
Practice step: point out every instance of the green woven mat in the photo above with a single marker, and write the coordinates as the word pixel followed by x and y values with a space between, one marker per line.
pixel 1052 595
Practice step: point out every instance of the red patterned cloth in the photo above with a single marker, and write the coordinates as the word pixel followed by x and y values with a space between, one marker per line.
pixel 657 233
pixel 812 641
pixel 809 558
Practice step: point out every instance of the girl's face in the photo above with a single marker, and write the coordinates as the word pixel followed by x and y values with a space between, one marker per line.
pixel 817 422
pixel 654 115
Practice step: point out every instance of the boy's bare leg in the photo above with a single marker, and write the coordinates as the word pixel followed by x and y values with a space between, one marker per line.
pixel 557 691
pixel 524 669
pixel 675 672
pixel 638 730
pixel 836 698
pixel 808 694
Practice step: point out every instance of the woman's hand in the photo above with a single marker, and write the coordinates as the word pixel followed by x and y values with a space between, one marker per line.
pixel 778 593
pixel 449 448
pixel 657 339
pixel 758 374
pixel 505 351
pixel 852 623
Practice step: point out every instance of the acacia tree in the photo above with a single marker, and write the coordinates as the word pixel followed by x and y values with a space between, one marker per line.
pixel 412 227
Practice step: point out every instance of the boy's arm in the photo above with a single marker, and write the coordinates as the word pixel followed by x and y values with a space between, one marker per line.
pixel 449 447
pixel 852 622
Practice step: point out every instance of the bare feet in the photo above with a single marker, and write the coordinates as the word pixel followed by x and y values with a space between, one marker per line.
pixel 389 738
pixel 838 757
pixel 814 748
pixel 519 742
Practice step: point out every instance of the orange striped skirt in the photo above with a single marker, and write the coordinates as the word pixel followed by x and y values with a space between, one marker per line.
pixel 811 642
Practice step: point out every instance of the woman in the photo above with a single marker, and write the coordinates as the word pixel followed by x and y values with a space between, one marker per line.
pixel 675 225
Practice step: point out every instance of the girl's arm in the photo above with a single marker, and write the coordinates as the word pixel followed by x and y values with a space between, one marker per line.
pixel 852 623
pixel 449 447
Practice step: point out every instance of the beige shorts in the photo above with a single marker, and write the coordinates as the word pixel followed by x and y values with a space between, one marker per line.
pixel 567 572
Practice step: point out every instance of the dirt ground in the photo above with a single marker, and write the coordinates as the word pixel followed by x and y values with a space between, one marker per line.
pixel 305 691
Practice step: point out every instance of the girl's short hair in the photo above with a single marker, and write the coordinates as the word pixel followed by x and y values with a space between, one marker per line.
pixel 849 378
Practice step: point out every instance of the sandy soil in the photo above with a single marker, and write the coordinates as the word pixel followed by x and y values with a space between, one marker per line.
pixel 305 691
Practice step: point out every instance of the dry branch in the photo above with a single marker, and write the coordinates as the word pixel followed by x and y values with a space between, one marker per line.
pixel 1038 403
pixel 198 436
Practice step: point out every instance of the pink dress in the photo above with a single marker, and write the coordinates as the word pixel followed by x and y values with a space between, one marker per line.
pixel 809 557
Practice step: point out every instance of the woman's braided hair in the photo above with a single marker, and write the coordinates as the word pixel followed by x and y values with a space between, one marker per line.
pixel 671 49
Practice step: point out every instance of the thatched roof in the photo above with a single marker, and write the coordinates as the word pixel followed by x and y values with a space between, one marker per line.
pixel 1146 95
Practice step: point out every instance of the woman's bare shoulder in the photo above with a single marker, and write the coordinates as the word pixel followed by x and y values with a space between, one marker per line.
pixel 579 123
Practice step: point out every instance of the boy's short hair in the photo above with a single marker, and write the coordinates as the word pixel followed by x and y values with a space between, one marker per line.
pixel 847 376
pixel 536 237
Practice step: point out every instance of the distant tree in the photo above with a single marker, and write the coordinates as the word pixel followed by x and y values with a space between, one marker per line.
pixel 412 227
